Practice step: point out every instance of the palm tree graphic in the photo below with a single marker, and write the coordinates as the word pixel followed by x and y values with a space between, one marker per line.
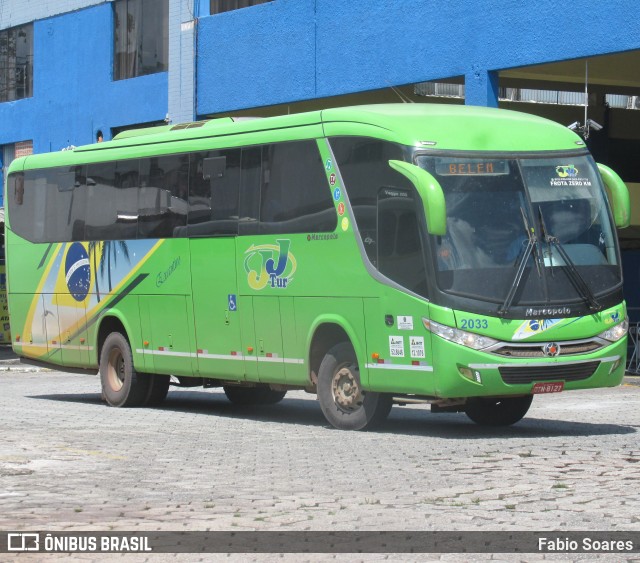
pixel 108 251
pixel 111 248
pixel 96 247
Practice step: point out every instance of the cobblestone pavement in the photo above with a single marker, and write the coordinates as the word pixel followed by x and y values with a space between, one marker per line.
pixel 68 462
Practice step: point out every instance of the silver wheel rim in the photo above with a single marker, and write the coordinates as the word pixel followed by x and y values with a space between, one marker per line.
pixel 345 389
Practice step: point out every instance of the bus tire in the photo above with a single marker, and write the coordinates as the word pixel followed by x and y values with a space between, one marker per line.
pixel 503 411
pixel 158 389
pixel 343 402
pixel 250 396
pixel 122 385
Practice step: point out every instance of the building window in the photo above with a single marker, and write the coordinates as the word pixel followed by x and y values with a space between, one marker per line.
pixel 219 6
pixel 141 37
pixel 16 63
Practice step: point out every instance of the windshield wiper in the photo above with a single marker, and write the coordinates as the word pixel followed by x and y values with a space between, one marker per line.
pixel 572 272
pixel 521 264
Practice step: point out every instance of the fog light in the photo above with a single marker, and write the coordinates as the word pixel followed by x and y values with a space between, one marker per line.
pixel 470 374
pixel 615 365
pixel 466 372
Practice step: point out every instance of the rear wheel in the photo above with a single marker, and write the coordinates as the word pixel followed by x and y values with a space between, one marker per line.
pixel 504 411
pixel 343 401
pixel 258 395
pixel 158 389
pixel 122 385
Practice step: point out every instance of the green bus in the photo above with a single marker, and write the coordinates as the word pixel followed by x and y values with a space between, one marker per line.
pixel 464 257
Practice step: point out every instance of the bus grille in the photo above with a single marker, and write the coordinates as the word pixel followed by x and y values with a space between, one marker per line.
pixel 566 372
pixel 536 350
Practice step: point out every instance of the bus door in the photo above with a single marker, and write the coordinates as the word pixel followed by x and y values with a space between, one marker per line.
pixel 262 339
pixel 215 307
pixel 165 326
pixel 395 331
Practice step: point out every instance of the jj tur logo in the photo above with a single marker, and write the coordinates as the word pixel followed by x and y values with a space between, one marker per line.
pixel 271 265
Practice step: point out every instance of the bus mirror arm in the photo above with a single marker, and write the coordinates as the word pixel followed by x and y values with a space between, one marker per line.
pixel 430 193
pixel 619 195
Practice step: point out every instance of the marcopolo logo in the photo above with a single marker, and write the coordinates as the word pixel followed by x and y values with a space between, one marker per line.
pixel 270 265
pixel 77 271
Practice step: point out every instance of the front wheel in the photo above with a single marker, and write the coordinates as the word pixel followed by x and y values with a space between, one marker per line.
pixel 343 401
pixel 504 411
pixel 122 385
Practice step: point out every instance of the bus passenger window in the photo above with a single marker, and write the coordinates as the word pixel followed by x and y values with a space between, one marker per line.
pixel 213 193
pixel 112 201
pixel 250 182
pixel 295 196
pixel 163 195
pixel 27 206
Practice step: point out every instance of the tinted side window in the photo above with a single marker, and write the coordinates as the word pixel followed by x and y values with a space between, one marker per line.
pixel 385 209
pixel 27 200
pixel 163 196
pixel 364 167
pixel 112 204
pixel 250 183
pixel 62 203
pixel 400 256
pixel 214 183
pixel 295 193
pixel 45 203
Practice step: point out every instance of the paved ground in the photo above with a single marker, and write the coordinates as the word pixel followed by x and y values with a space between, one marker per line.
pixel 68 462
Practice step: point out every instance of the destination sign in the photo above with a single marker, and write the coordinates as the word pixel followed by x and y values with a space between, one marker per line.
pixel 471 167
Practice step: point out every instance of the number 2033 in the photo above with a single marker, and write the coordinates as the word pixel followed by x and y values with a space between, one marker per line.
pixel 474 323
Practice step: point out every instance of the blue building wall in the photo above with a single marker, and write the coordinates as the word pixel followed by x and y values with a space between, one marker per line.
pixel 74 92
pixel 290 50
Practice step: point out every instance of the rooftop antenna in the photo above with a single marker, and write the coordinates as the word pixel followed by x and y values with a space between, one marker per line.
pixel 589 124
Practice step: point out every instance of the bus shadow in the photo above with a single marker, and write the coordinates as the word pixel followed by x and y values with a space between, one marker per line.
pixel 458 427
pixel 409 422
pixel 288 411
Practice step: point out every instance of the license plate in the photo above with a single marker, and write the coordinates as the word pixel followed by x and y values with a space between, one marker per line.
pixel 554 387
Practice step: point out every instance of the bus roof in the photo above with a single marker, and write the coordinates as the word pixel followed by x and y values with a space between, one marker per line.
pixel 428 126
pixel 456 127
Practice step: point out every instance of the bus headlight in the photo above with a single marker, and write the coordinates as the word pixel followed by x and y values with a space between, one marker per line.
pixel 615 333
pixel 468 339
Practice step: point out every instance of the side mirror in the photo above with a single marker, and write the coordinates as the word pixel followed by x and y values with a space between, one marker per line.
pixel 619 194
pixel 430 193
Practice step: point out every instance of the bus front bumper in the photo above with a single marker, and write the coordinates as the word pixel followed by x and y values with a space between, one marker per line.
pixel 470 373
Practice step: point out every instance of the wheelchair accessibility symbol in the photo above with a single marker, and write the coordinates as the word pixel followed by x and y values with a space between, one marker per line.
pixel 232 303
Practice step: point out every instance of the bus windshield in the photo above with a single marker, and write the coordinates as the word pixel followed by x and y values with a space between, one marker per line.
pixel 496 207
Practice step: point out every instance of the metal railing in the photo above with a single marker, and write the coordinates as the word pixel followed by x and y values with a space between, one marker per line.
pixel 633 349
pixel 554 97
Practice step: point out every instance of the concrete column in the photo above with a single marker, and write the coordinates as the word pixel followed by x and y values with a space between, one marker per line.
pixel 481 87
pixel 182 30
